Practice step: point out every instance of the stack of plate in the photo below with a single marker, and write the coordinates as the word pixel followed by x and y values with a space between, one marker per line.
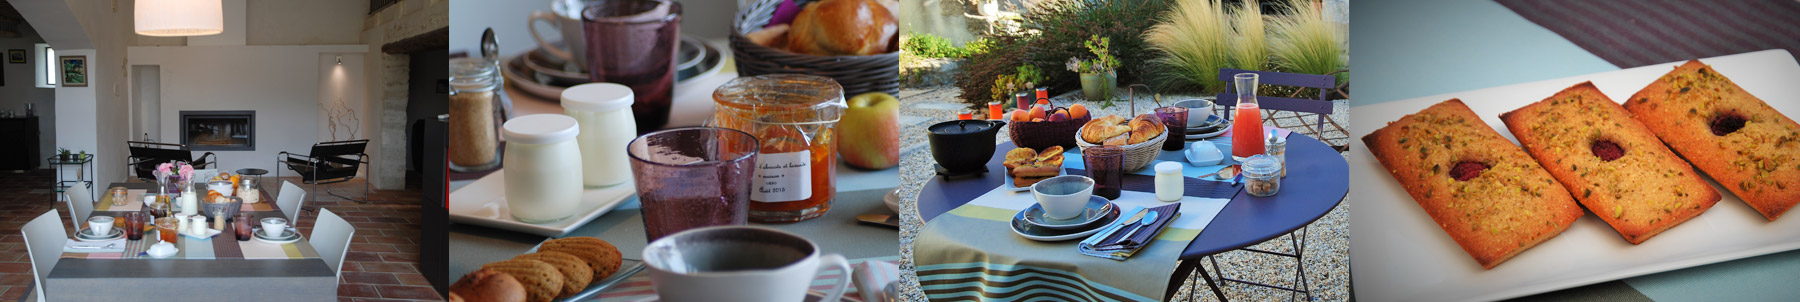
pixel 1213 127
pixel 87 234
pixel 288 235
pixel 1032 224
pixel 545 76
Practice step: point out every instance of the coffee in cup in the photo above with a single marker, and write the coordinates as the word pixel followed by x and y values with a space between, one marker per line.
pixel 739 263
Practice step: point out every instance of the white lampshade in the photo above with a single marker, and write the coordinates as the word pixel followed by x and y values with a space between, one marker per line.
pixel 168 18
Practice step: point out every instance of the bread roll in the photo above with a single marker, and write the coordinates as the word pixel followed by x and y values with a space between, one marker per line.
pixel 843 28
pixel 1144 128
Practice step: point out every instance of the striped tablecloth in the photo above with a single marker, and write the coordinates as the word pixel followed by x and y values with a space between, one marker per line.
pixel 638 287
pixel 1637 33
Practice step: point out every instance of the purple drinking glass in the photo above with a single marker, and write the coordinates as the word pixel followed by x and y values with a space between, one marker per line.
pixel 134 225
pixel 1106 165
pixel 244 225
pixel 1175 119
pixel 633 42
pixel 693 177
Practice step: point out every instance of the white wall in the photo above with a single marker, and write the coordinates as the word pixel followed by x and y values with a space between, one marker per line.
pixel 281 83
pixel 343 82
pixel 76 113
pixel 146 95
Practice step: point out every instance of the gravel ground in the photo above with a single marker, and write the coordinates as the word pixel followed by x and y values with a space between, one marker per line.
pixel 1327 244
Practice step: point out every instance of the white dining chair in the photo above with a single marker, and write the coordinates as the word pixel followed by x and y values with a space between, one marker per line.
pixel 290 199
pixel 81 204
pixel 44 239
pixel 331 238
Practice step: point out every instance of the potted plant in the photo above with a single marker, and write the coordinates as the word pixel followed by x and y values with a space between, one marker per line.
pixel 1098 77
pixel 62 154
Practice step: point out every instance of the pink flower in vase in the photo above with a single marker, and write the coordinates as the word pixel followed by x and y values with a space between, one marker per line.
pixel 187 172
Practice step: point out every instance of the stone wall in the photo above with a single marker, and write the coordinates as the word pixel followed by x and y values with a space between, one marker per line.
pixel 402 20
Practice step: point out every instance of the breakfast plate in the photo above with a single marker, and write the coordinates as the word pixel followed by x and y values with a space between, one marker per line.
pixel 483 203
pixel 1205 135
pixel 87 234
pixel 1039 233
pixel 1401 254
pixel 288 235
pixel 1097 208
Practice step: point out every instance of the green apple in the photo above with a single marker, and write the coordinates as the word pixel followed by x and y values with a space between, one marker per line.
pixel 869 133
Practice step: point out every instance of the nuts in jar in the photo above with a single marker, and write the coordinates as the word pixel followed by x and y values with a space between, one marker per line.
pixel 1262 175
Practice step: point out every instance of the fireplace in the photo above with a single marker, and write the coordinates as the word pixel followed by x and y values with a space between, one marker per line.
pixel 215 130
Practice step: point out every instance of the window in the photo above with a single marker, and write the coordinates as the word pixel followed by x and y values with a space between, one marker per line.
pixel 46 66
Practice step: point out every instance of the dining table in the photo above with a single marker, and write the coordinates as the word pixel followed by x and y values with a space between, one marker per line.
pixel 1315 185
pixel 216 269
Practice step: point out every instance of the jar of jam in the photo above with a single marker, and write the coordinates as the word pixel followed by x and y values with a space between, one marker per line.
pixel 795 118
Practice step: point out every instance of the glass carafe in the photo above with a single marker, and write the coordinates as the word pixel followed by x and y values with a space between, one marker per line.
pixel 1246 120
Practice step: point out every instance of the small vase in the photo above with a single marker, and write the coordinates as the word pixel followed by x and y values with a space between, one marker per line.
pixel 1098 86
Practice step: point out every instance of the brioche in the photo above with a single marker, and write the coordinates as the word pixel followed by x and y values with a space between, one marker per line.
pixel 843 28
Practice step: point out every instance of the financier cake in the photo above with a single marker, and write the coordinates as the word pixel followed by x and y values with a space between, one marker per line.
pixel 1491 198
pixel 1610 162
pixel 1733 136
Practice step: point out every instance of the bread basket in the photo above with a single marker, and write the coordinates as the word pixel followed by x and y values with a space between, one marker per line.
pixel 1137 156
pixel 858 74
pixel 1040 135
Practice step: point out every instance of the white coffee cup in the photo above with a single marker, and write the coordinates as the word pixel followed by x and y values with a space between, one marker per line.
pixel 1198 111
pixel 739 263
pixel 100 225
pixel 1063 197
pixel 565 15
pixel 273 226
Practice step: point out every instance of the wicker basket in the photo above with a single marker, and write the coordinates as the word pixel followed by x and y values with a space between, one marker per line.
pixel 857 74
pixel 1137 156
pixel 1040 135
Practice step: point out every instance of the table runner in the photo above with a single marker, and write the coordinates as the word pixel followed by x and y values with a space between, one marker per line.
pixel 639 288
pixel 1637 33
pixel 972 254
pixel 223 246
pixel 134 201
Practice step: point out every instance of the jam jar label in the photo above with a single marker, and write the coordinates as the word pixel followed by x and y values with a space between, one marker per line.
pixel 782 177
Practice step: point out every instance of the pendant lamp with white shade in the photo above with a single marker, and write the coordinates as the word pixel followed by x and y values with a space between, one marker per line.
pixel 171 18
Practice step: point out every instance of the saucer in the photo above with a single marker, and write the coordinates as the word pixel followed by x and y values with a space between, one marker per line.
pixel 88 235
pixel 1096 209
pixel 209 234
pixel 1212 123
pixel 287 236
pixel 1019 226
pixel 546 76
pixel 1206 135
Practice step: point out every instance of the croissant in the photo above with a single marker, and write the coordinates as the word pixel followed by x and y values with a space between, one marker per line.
pixel 1144 128
pixel 1102 129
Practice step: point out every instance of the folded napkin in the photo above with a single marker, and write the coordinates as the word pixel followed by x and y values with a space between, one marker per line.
pixel 1112 242
pixel 873 277
pixel 109 246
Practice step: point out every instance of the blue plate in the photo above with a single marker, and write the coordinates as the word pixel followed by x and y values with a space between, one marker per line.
pixel 1039 233
pixel 1096 208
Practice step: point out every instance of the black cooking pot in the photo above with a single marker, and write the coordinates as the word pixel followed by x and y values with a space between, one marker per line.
pixel 963 146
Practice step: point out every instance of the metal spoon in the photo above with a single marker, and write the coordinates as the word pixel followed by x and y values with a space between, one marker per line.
pixel 1148 219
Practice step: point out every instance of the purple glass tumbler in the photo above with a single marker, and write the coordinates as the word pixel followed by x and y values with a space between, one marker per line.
pixel 1175 120
pixel 242 225
pixel 633 42
pixel 693 177
pixel 1106 165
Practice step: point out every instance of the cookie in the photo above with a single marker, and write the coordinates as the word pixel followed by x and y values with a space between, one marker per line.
pixel 486 285
pixel 543 282
pixel 576 273
pixel 1735 137
pixel 601 256
pixel 1486 193
pixel 1610 162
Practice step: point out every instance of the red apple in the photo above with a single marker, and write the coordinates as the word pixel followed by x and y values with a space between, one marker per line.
pixel 869 133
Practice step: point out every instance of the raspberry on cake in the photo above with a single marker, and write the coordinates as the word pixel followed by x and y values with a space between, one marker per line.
pixel 1747 146
pixel 1611 163
pixel 1491 198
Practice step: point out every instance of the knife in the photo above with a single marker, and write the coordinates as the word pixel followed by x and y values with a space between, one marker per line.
pixel 1135 215
pixel 879 219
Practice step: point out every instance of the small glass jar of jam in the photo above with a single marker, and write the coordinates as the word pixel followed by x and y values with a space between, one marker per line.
pixel 795 118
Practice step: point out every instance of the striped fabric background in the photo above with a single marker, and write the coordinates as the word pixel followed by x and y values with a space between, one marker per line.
pixel 1637 33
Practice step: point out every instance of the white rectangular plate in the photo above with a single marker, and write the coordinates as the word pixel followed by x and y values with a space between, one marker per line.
pixel 1400 254
pixel 483 203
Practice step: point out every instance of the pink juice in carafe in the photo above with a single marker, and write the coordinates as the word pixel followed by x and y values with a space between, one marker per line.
pixel 1246 131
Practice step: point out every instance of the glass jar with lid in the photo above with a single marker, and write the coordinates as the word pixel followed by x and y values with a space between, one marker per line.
pixel 604 112
pixel 1262 175
pixel 540 185
pixel 795 118
pixel 474 104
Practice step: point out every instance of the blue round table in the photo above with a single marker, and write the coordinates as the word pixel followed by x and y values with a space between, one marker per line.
pixel 1315 184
